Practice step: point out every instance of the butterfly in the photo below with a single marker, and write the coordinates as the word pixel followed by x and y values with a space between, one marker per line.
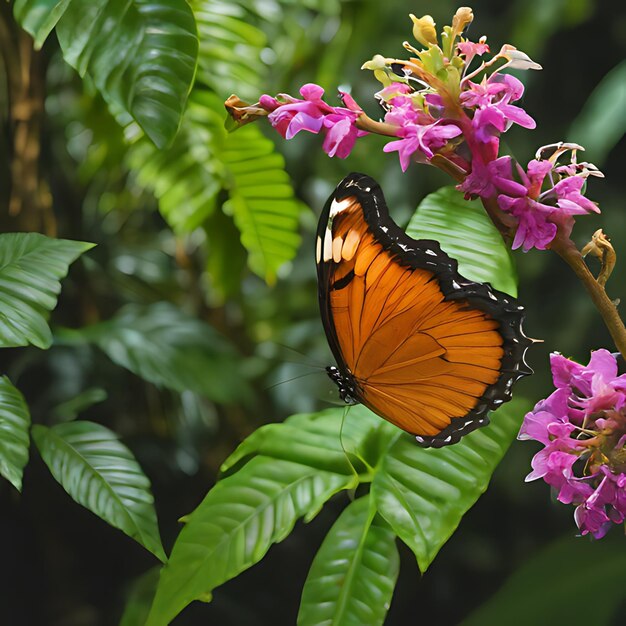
pixel 417 343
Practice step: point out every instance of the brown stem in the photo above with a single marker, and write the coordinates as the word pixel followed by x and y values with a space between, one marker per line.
pixel 566 249
pixel 504 222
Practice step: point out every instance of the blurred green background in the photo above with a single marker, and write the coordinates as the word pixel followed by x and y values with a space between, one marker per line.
pixel 63 566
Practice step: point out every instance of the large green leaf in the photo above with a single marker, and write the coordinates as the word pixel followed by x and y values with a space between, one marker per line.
pixel 31 266
pixel 424 493
pixel 101 474
pixel 354 572
pixel 543 590
pixel 14 437
pixel 165 346
pixel 602 122
pixel 466 233
pixel 235 525
pixel 314 439
pixel 141 54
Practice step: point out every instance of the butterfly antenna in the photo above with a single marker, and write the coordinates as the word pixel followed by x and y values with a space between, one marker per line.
pixel 288 380
pixel 305 358
pixel 347 454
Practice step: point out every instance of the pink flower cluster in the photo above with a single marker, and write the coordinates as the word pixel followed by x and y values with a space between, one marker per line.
pixel 290 115
pixel 434 108
pixel 582 426
pixel 546 196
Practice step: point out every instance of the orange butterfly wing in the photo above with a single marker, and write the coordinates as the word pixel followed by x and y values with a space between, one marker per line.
pixel 414 341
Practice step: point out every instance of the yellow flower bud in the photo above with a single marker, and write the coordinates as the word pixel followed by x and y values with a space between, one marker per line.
pixel 461 19
pixel 424 29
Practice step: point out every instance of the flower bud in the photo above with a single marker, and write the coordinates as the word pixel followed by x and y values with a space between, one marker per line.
pixel 243 113
pixel 424 29
pixel 462 18
pixel 518 60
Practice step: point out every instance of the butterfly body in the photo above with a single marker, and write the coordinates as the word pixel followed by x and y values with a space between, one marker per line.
pixel 414 341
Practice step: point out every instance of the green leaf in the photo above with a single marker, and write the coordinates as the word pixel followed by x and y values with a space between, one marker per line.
pixel 466 233
pixel 543 590
pixel 187 176
pixel 314 439
pixel 165 346
pixel 424 493
pixel 14 437
pixel 31 266
pixel 602 122
pixel 203 160
pixel 224 27
pixel 101 474
pixel 235 525
pixel 141 54
pixel 261 201
pixel 354 572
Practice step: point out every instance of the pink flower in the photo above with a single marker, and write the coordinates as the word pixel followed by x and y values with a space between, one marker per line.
pixel 487 180
pixel 592 520
pixel 539 213
pixel 533 230
pixel 492 112
pixel 569 198
pixel 469 49
pixel 341 136
pixel 423 138
pixel 289 116
pixel 491 98
pixel 539 423
pixel 403 113
pixel 481 95
pixel 419 131
pixel 582 427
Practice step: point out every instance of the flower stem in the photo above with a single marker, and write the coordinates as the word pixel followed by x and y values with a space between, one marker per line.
pixel 364 122
pixel 566 249
pixel 504 222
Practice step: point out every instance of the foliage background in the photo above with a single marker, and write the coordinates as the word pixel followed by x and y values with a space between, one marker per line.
pixel 64 566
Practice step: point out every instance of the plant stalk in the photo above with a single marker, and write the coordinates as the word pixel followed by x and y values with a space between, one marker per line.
pixel 568 251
